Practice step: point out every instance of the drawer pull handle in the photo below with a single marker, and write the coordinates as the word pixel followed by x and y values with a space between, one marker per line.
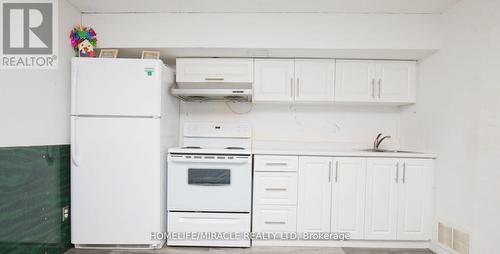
pixel 276 163
pixel 373 88
pixel 397 172
pixel 404 172
pixel 275 189
pixel 214 79
pixel 275 222
pixel 336 171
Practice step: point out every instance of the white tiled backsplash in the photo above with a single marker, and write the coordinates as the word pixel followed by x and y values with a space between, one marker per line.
pixel 304 126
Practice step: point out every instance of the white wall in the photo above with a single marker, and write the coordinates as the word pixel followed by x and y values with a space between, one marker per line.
pixel 303 127
pixel 34 104
pixel 280 126
pixel 267 30
pixel 325 126
pixel 458 116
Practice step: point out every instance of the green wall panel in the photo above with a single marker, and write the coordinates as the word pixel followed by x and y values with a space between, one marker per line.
pixel 34 187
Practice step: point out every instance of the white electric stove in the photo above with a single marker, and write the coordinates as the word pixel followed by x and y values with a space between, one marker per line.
pixel 209 186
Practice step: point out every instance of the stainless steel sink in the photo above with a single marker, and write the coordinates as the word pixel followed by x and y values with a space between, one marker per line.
pixel 388 151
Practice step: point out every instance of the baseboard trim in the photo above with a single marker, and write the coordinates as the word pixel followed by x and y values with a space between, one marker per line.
pixel 348 243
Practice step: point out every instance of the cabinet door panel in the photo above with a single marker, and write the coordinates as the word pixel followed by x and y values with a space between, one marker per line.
pixel 273 80
pixel 313 213
pixel 214 70
pixel 314 80
pixel 381 199
pixel 396 81
pixel 355 81
pixel 414 216
pixel 348 196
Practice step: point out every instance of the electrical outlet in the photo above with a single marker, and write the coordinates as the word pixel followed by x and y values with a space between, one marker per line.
pixel 460 242
pixel 65 213
pixel 445 235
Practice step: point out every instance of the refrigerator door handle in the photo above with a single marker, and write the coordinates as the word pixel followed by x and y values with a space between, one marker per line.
pixel 74 81
pixel 74 155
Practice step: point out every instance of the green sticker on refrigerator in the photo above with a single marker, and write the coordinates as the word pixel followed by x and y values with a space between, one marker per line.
pixel 149 71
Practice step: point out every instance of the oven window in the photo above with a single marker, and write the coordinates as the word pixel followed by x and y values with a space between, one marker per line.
pixel 203 176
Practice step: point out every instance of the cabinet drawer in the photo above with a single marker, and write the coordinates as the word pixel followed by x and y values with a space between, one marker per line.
pixel 276 163
pixel 214 70
pixel 275 188
pixel 275 219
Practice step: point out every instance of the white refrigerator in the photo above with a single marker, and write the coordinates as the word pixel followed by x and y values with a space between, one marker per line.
pixel 123 120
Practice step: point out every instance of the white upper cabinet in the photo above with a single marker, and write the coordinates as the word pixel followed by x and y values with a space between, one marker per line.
pixel 396 81
pixel 214 70
pixel 355 81
pixel 375 81
pixel 314 80
pixel 415 199
pixel 288 80
pixel 313 207
pixel 348 196
pixel 274 80
pixel 389 82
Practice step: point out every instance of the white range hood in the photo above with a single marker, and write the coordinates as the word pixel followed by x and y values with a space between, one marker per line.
pixel 212 94
pixel 209 79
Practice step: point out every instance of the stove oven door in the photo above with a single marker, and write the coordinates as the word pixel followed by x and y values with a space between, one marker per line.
pixel 215 183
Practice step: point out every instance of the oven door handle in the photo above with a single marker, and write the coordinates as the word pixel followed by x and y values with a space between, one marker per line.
pixel 210 184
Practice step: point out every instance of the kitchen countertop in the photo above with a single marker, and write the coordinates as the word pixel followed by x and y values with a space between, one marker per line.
pixel 342 153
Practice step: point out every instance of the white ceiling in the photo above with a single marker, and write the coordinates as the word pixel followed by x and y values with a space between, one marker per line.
pixel 251 6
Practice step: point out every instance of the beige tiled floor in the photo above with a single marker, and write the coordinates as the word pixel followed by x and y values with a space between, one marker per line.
pixel 255 250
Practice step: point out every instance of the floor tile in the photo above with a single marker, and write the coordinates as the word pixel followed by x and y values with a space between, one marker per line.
pixel 255 250
pixel 385 251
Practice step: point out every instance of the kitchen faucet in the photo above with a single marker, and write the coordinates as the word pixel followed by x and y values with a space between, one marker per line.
pixel 379 140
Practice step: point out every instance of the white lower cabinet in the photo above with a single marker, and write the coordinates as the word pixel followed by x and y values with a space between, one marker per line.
pixel 348 196
pixel 398 199
pixel 331 195
pixel 313 209
pixel 369 198
pixel 275 188
pixel 274 218
pixel 414 200
pixel 268 163
pixel 275 194
pixel 381 199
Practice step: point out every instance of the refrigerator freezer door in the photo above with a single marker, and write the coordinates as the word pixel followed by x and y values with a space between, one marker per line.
pixel 119 87
pixel 116 181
